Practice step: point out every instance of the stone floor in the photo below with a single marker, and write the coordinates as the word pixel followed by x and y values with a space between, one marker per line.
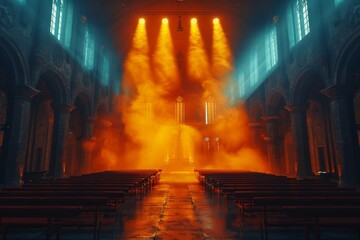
pixel 178 208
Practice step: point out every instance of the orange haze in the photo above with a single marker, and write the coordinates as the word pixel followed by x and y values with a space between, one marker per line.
pixel 153 128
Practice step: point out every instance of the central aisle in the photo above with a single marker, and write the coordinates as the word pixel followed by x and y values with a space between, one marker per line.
pixel 177 208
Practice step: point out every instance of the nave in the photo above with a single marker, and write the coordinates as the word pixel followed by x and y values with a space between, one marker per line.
pixel 178 206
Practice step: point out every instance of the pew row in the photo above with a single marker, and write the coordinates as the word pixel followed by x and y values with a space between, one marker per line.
pixel 282 202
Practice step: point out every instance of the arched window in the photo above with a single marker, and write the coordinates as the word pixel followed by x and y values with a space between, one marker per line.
pixel 210 110
pixel 254 70
pixel 61 21
pixel 298 21
pixel 271 49
pixel 89 50
pixel 105 71
pixel 241 83
pixel 338 2
pixel 57 12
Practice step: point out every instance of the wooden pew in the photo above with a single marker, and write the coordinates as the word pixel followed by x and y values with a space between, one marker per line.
pixel 278 204
pixel 286 201
pixel 74 195
pixel 89 214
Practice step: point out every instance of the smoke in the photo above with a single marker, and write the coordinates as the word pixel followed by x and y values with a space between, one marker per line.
pixel 156 129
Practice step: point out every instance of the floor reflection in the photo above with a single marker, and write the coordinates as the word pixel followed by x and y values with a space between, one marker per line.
pixel 178 208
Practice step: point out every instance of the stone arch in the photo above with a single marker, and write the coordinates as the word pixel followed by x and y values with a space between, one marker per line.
pixel 304 82
pixel 46 123
pixel 15 59
pixel 84 100
pixel 347 136
pixel 281 146
pixel 56 83
pixel 102 110
pixel 275 102
pixel 256 110
pixel 13 80
pixel 346 59
pixel 257 127
pixel 307 93
pixel 80 135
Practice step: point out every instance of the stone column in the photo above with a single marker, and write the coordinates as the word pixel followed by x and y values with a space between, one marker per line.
pixel 271 139
pixel 88 143
pixel 301 140
pixel 257 138
pixel 344 144
pixel 16 137
pixel 255 131
pixel 88 122
pixel 61 128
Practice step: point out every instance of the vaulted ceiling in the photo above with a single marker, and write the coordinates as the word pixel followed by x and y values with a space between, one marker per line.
pixel 239 18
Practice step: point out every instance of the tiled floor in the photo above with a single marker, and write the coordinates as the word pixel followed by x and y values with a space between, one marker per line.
pixel 178 208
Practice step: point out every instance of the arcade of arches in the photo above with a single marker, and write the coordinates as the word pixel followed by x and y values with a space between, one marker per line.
pixel 303 119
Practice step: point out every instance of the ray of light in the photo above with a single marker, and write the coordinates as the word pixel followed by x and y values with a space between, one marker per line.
pixel 221 52
pixel 165 68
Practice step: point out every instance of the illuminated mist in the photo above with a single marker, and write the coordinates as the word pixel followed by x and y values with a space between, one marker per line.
pixel 156 129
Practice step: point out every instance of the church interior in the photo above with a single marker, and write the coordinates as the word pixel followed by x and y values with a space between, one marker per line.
pixel 179 119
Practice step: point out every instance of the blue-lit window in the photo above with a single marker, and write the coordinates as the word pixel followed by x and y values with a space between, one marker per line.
pixel 116 88
pixel 254 71
pixel 298 21
pixel 57 12
pixel 89 50
pixel 68 24
pixel 338 2
pixel 241 82
pixel 105 69
pixel 271 48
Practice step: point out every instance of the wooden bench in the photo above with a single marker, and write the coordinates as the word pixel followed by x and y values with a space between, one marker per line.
pixel 76 201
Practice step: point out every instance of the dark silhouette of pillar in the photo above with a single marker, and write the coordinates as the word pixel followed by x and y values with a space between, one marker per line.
pixel 271 138
pixel 89 141
pixel 301 140
pixel 343 133
pixel 61 127
pixel 15 145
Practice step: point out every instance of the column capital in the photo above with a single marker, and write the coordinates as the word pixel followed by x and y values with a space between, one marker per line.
pixel 89 118
pixel 295 108
pixel 63 107
pixel 335 92
pixel 270 118
pixel 24 92
pixel 255 125
pixel 268 139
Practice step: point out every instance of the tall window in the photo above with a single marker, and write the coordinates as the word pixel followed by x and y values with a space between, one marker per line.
pixel 180 110
pixel 271 49
pixel 68 24
pixel 298 21
pixel 89 50
pixel 254 71
pixel 105 70
pixel 338 2
pixel 241 82
pixel 210 110
pixel 57 12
